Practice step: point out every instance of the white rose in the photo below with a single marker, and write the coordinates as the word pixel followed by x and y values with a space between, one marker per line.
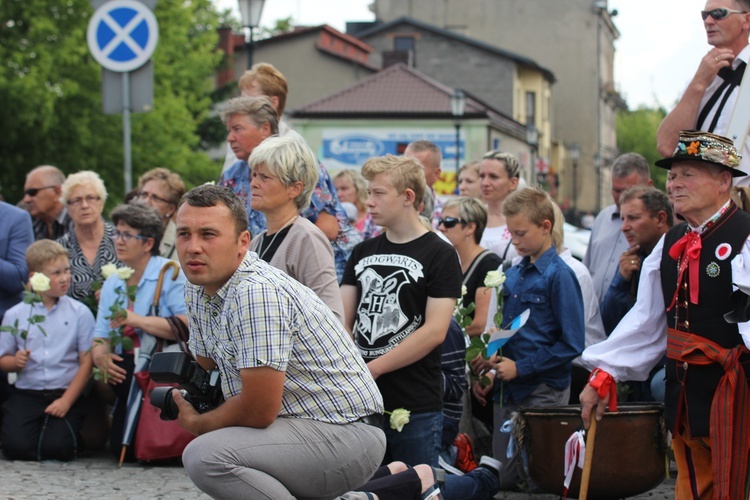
pixel 108 270
pixel 39 282
pixel 399 418
pixel 124 273
pixel 494 279
pixel 463 290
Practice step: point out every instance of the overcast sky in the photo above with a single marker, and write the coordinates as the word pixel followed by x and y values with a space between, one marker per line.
pixel 661 41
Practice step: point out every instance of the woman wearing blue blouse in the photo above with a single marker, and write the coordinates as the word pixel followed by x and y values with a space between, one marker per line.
pixel 138 232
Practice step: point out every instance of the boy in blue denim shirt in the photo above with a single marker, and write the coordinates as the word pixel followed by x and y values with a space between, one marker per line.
pixel 536 363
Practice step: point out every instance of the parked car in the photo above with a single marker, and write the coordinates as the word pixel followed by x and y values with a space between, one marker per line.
pixel 577 240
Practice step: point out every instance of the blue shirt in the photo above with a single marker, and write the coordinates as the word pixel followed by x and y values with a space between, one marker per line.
pixel 237 178
pixel 53 362
pixel 553 335
pixel 453 371
pixel 16 234
pixel 617 301
pixel 171 302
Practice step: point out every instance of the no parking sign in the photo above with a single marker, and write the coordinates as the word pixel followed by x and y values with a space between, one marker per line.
pixel 122 35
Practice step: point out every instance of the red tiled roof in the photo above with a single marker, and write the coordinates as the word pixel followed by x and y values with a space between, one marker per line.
pixel 396 90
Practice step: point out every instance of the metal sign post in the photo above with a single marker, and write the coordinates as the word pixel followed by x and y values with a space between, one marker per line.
pixel 122 35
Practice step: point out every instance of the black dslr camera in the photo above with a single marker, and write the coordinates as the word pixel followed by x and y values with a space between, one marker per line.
pixel 200 388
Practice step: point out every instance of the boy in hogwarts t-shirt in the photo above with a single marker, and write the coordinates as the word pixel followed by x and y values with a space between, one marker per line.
pixel 399 290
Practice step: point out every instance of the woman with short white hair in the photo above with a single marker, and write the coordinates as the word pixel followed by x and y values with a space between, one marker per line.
pixel 284 175
pixel 90 243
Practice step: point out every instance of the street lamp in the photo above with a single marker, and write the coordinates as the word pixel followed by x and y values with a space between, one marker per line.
pixel 532 138
pixel 458 106
pixel 598 167
pixel 575 155
pixel 250 10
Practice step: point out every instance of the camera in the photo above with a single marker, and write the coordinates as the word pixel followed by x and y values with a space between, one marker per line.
pixel 199 387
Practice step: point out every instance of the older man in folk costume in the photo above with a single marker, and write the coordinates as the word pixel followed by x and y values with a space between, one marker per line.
pixel 689 275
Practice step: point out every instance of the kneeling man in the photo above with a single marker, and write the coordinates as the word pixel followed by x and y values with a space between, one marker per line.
pixel 300 402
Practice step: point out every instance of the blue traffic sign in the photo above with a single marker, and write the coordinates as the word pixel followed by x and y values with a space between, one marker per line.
pixel 122 35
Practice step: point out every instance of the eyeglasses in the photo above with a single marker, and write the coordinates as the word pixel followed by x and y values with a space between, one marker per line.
pixel 127 236
pixel 450 222
pixel 34 191
pixel 719 14
pixel 148 196
pixel 90 200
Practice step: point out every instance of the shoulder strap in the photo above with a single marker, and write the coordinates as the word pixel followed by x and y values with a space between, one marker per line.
pixel 474 264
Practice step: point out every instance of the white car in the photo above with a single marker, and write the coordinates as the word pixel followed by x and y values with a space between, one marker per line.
pixel 576 239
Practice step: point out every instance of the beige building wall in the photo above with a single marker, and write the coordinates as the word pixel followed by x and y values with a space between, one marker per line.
pixel 310 73
pixel 573 38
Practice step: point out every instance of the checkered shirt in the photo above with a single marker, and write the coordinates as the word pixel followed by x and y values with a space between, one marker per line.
pixel 263 317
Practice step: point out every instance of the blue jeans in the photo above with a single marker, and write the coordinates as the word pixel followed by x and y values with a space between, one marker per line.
pixel 479 484
pixel 418 442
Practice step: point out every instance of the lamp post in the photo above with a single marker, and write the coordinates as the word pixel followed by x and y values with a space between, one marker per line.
pixel 598 168
pixel 250 10
pixel 458 106
pixel 532 138
pixel 575 155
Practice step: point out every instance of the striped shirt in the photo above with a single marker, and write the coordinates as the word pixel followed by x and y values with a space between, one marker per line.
pixel 263 317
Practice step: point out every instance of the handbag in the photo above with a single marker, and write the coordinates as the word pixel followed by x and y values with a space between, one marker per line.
pixel 157 439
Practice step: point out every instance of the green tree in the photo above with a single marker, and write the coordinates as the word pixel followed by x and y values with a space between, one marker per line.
pixel 636 132
pixel 51 104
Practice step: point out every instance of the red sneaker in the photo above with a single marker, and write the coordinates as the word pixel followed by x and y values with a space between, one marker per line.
pixel 465 460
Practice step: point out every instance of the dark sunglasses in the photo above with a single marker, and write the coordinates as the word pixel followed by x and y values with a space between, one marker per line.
pixel 719 14
pixel 450 222
pixel 34 191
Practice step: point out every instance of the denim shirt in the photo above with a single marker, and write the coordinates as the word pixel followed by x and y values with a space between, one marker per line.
pixel 553 335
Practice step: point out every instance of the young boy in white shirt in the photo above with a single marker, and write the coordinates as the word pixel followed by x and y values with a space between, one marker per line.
pixel 43 417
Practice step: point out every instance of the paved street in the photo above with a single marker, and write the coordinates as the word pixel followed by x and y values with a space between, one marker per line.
pixel 99 477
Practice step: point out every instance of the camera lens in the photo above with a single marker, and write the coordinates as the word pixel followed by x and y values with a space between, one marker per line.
pixel 161 397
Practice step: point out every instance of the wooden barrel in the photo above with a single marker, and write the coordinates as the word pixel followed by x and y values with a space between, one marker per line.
pixel 629 455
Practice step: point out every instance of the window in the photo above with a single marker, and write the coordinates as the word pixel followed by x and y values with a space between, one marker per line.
pixel 403 43
pixel 531 107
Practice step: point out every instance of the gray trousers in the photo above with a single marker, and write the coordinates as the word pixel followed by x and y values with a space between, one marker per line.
pixel 291 458
pixel 542 397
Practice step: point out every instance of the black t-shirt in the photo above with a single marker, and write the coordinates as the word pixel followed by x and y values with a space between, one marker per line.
pixel 490 262
pixel 393 283
pixel 270 243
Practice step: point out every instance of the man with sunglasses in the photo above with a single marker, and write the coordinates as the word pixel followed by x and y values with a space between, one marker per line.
pixel 709 99
pixel 42 192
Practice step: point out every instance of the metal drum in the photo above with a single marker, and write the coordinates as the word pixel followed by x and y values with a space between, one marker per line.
pixel 629 454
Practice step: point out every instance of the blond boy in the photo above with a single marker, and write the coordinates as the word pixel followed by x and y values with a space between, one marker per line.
pixel 399 290
pixel 536 363
pixel 44 414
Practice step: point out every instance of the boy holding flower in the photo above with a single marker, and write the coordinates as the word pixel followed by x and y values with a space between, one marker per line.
pixel 399 290
pixel 535 365
pixel 45 339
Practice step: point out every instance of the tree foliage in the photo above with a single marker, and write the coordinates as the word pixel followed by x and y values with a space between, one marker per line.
pixel 51 103
pixel 636 132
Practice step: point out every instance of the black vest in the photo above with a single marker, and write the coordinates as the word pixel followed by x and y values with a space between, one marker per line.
pixel 705 319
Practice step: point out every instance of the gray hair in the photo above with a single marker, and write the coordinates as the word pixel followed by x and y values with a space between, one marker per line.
pixel 83 178
pixel 470 210
pixel 52 175
pixel 422 145
pixel 629 163
pixel 211 195
pixel 142 217
pixel 259 110
pixel 291 160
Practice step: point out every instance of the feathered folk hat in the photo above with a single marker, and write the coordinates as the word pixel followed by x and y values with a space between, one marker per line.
pixel 705 147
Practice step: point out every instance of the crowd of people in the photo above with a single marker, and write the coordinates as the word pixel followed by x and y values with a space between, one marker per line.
pixel 341 338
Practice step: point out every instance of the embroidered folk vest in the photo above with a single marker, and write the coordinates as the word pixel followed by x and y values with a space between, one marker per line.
pixel 696 384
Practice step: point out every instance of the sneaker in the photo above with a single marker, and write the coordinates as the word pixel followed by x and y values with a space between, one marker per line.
pixel 465 461
pixel 491 463
pixel 448 467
